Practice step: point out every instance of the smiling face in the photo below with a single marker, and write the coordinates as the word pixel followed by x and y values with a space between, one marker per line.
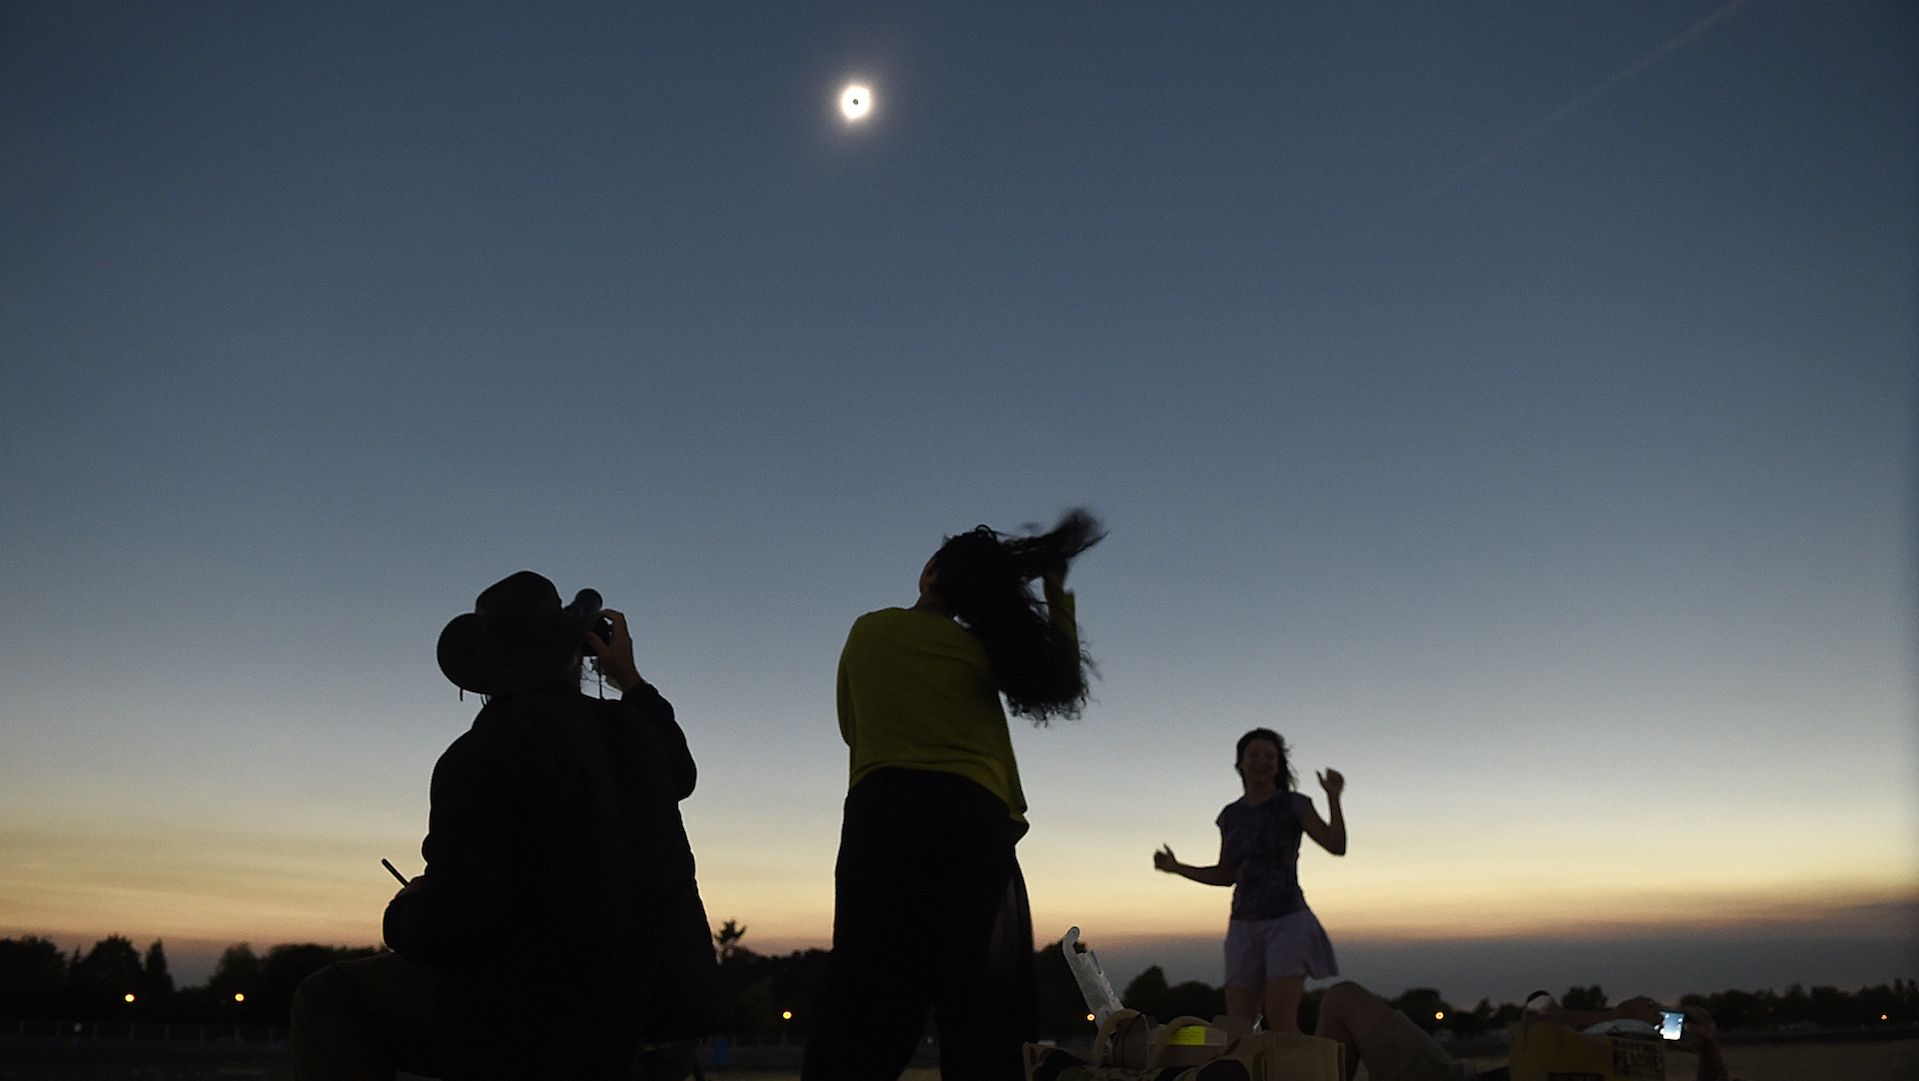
pixel 1259 763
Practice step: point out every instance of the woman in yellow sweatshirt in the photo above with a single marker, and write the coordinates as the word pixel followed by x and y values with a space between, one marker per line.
pixel 929 906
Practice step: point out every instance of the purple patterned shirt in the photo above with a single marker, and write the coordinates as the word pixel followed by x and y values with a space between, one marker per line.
pixel 1263 839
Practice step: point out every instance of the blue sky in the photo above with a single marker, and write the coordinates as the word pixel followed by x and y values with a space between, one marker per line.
pixel 1558 492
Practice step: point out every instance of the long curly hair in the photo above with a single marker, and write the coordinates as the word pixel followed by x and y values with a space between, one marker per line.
pixel 985 577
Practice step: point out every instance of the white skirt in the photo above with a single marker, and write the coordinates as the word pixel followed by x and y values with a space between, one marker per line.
pixel 1291 945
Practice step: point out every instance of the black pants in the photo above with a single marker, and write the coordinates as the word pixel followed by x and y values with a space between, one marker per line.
pixel 929 911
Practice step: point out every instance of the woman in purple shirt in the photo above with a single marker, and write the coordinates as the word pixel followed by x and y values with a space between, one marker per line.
pixel 1273 941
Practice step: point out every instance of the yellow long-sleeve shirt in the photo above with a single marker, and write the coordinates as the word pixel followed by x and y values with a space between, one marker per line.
pixel 916 691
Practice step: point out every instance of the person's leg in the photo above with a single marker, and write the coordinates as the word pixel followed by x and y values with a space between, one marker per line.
pixel 1702 1031
pixel 1387 1041
pixel 983 996
pixel 1281 1003
pixel 877 988
pixel 1013 976
pixel 1346 1011
pixel 1245 1002
pixel 1245 970
pixel 1294 947
pixel 361 1020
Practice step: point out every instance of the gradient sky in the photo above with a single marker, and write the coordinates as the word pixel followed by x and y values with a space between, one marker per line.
pixel 1540 458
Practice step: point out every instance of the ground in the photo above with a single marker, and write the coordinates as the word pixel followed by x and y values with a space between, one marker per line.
pixel 1885 1060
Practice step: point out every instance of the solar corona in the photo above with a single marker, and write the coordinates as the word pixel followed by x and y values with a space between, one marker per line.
pixel 855 101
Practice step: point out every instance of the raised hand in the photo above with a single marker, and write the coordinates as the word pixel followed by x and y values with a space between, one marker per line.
pixel 1165 860
pixel 616 657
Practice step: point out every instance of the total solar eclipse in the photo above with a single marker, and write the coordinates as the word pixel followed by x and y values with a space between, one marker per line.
pixel 855 101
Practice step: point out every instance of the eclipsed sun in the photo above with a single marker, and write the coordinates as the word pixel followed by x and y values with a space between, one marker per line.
pixel 855 101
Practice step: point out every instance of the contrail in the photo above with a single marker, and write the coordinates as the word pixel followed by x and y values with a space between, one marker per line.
pixel 1573 106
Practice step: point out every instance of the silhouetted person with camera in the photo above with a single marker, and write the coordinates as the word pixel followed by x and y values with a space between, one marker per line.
pixel 557 931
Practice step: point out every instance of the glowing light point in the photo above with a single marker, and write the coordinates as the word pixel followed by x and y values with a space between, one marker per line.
pixel 129 997
pixel 855 101
pixel 786 1015
pixel 238 997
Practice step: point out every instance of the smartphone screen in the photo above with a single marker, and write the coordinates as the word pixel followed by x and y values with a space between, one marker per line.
pixel 1671 1023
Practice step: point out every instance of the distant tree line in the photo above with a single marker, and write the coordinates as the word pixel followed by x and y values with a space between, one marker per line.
pixel 780 995
pixel 1821 1007
pixel 113 981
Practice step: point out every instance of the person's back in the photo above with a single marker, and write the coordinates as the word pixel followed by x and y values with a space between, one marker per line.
pixel 560 904
pixel 915 691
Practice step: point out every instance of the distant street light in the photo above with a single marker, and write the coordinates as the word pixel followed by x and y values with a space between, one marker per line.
pixel 129 996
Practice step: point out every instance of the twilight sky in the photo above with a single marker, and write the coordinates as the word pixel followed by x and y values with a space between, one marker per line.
pixel 1541 458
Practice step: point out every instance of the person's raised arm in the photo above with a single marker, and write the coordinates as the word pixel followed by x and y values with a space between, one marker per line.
pixel 1702 1032
pixel 1330 835
pixel 616 663
pixel 1059 602
pixel 1053 579
pixel 616 657
pixel 1219 874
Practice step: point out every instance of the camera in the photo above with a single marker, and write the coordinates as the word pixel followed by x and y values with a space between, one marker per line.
pixel 603 628
pixel 587 604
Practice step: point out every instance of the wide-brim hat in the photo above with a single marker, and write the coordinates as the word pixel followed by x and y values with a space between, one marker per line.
pixel 517 636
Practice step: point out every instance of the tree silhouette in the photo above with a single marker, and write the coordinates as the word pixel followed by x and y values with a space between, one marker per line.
pixel 235 981
pixel 1149 993
pixel 1828 1007
pixel 1472 1022
pixel 1427 1008
pixel 728 938
pixel 1584 998
pixel 1146 992
pixel 98 984
pixel 1062 1009
pixel 156 983
pixel 38 982
pixel 33 977
pixel 763 991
